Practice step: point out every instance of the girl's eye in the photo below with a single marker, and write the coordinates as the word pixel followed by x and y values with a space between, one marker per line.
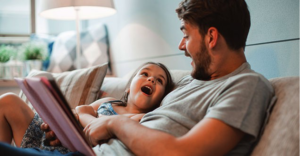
pixel 160 81
pixel 145 74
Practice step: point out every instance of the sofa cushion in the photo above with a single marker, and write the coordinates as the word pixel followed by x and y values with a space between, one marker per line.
pixel 93 47
pixel 79 86
pixel 281 134
pixel 115 87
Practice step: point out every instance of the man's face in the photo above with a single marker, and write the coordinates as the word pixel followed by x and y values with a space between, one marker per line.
pixel 193 45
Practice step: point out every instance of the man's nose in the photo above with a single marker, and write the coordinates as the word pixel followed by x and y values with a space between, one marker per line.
pixel 151 79
pixel 181 45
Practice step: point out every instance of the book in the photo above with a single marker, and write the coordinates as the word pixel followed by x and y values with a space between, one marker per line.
pixel 49 102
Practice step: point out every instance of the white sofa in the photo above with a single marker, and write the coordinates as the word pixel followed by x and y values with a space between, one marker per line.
pixel 279 138
pixel 281 134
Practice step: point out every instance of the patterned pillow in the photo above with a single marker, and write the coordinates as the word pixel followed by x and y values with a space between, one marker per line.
pixel 94 49
pixel 79 86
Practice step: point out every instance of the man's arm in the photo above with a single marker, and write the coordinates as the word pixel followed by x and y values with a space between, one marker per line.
pixel 208 137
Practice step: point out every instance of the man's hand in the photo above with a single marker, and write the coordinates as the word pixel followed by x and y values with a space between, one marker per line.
pixel 97 132
pixel 51 138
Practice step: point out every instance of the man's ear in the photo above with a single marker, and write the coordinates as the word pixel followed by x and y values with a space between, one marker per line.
pixel 213 36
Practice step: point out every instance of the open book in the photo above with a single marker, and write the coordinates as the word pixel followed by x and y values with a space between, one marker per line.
pixel 46 97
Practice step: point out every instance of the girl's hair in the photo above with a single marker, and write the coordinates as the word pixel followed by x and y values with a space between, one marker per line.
pixel 169 85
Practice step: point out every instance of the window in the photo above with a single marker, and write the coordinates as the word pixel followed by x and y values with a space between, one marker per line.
pixel 16 22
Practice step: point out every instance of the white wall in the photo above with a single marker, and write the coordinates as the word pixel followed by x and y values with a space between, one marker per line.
pixel 273 42
pixel 148 30
pixel 142 31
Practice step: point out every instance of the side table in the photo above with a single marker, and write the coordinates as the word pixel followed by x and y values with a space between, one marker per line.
pixel 9 85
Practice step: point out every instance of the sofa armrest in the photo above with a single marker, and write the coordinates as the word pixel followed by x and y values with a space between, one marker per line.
pixel 281 134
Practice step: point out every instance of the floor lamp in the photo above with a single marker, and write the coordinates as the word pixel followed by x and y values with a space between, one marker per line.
pixel 77 10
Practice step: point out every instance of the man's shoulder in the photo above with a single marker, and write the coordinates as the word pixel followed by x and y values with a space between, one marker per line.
pixel 250 77
pixel 185 80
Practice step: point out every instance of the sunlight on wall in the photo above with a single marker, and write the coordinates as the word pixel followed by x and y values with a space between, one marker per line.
pixel 136 41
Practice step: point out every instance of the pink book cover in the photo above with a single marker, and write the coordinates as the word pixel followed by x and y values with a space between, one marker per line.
pixel 50 104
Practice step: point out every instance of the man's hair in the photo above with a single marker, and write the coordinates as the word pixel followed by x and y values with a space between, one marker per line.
pixel 230 17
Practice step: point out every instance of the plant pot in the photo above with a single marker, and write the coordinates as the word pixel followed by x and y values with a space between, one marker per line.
pixel 13 69
pixel 2 70
pixel 32 64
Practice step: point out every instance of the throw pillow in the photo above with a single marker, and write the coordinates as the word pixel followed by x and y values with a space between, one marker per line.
pixel 79 86
pixel 93 49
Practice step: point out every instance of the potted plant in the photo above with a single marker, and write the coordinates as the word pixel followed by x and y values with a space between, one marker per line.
pixel 6 52
pixel 33 54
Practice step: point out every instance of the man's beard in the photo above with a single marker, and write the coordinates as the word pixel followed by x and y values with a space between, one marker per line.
pixel 202 64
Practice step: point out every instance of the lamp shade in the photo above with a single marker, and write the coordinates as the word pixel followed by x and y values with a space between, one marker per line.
pixel 66 9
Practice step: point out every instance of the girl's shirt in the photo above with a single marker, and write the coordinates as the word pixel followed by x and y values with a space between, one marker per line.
pixel 107 109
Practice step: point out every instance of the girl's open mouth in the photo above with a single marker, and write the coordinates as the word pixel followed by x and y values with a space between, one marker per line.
pixel 147 90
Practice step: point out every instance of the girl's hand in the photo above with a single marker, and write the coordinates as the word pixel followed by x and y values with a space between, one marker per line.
pixel 51 138
pixel 85 109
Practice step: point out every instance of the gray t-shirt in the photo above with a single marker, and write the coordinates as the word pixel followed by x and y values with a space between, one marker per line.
pixel 240 99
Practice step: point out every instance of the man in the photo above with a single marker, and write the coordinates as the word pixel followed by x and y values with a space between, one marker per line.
pixel 218 110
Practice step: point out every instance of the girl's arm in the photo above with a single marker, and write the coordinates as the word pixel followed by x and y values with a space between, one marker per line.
pixel 87 113
pixel 86 116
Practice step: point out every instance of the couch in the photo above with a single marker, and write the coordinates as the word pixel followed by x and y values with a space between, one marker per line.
pixel 281 134
pixel 279 138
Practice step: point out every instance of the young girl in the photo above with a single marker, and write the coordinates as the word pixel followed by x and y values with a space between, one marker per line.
pixel 148 86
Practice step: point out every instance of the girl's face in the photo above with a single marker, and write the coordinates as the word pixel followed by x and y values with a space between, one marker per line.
pixel 147 88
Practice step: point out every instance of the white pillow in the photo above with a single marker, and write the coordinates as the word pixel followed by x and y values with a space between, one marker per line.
pixel 115 87
pixel 78 86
